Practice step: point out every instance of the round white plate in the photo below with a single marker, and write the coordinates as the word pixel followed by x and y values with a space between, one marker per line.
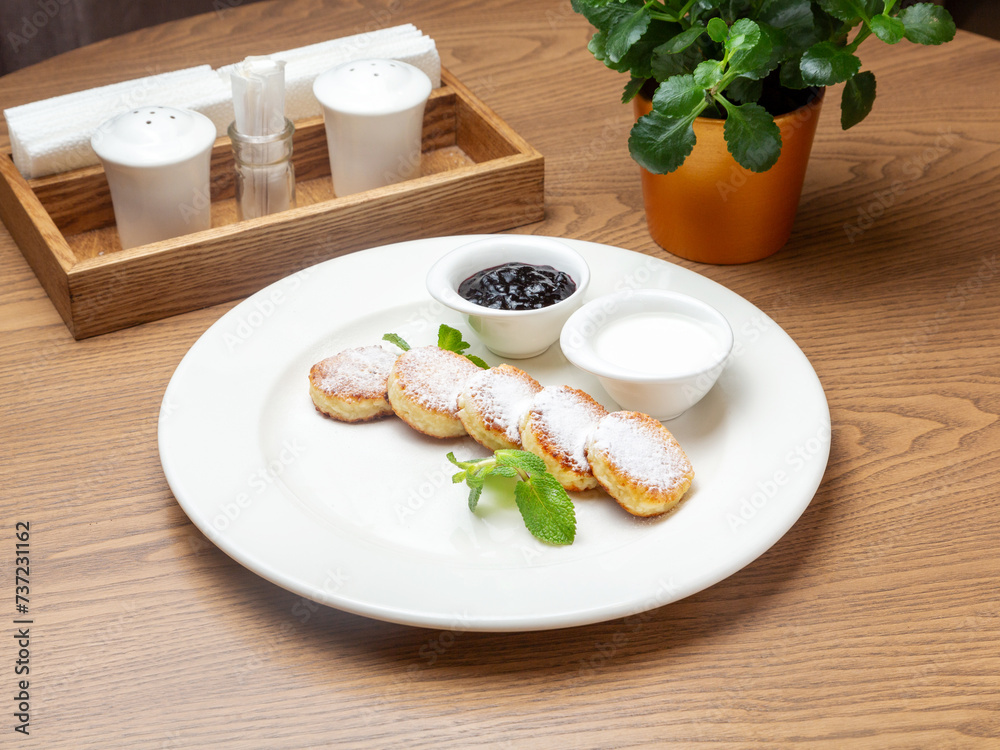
pixel 365 518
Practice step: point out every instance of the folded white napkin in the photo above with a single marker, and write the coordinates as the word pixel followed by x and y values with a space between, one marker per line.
pixel 53 135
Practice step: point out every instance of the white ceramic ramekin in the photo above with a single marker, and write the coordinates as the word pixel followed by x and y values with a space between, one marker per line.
pixel 665 394
pixel 512 334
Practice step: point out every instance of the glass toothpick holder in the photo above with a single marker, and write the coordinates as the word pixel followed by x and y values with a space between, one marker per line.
pixel 265 175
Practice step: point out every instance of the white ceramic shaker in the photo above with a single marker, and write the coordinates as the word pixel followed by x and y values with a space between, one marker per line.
pixel 158 164
pixel 374 112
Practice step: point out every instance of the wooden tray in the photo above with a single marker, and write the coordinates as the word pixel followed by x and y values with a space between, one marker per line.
pixel 477 176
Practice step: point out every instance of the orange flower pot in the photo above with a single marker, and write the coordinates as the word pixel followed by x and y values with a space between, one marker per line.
pixel 712 210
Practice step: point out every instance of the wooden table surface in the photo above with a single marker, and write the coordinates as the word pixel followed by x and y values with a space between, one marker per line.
pixel 873 623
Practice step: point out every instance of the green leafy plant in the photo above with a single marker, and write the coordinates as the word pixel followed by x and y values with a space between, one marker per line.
pixel 448 338
pixel 544 504
pixel 744 61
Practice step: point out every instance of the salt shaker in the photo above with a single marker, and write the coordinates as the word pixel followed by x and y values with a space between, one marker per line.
pixel 158 164
pixel 373 111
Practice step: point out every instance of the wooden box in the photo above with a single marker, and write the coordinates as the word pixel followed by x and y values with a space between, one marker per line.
pixel 477 176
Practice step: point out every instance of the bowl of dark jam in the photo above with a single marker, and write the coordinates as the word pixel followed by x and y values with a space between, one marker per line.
pixel 516 290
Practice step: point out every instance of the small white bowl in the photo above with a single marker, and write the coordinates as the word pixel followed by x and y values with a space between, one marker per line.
pixel 654 351
pixel 512 334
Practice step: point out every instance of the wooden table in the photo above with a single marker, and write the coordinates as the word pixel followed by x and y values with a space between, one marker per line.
pixel 874 623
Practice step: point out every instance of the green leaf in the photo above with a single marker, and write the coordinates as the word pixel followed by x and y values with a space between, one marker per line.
pixel 849 10
pixel 748 49
pixel 626 33
pixel 682 41
pixel 451 339
pixel 475 492
pixel 826 63
pixel 790 75
pixel 857 100
pixel 522 460
pixel 702 7
pixel 717 30
pixel 708 73
pixel 752 136
pixel 604 14
pixel 745 89
pixel 732 10
pixel 678 96
pixel 393 338
pixel 477 361
pixel 890 30
pixel 546 509
pixel 927 24
pixel 794 19
pixel 661 143
pixel 632 88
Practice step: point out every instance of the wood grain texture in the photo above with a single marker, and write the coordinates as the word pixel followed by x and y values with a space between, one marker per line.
pixel 873 623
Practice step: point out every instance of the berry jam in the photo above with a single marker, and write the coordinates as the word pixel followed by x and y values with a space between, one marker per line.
pixel 517 286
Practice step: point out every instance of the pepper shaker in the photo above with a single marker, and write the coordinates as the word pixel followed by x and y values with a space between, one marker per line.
pixel 158 164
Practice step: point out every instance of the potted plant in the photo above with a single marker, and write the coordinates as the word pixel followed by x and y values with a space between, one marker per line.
pixel 727 94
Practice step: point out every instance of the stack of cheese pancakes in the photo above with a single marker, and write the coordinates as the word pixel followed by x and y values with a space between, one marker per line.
pixel 443 394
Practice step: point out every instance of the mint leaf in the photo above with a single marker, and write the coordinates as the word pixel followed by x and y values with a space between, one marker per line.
pixel 477 361
pixel 717 30
pixel 661 143
pixel 516 459
pixel 547 511
pixel 475 483
pixel 857 100
pixel 826 63
pixel 546 508
pixel 474 475
pixel 927 24
pixel 451 339
pixel 752 136
pixel 890 30
pixel 393 338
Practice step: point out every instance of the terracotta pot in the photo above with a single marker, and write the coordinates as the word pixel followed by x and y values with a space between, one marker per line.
pixel 712 210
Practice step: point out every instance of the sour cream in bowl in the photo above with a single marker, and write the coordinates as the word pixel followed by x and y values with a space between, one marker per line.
pixel 654 351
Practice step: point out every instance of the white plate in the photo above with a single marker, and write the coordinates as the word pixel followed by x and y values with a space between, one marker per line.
pixel 365 517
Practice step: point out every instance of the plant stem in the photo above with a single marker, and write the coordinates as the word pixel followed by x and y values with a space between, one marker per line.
pixel 863 33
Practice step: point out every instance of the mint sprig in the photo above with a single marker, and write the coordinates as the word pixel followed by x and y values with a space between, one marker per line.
pixel 448 338
pixel 394 338
pixel 451 339
pixel 545 506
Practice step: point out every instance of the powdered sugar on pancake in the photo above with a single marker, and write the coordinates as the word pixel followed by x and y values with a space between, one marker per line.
pixel 501 396
pixel 565 417
pixel 433 377
pixel 359 373
pixel 642 448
